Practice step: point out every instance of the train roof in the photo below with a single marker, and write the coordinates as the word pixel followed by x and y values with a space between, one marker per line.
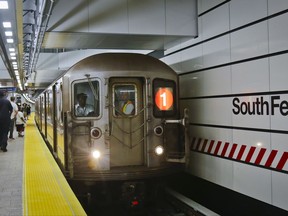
pixel 121 62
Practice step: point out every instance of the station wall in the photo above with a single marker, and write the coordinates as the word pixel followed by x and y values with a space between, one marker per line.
pixel 233 78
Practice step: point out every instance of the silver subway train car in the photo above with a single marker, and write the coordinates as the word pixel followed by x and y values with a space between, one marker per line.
pixel 114 117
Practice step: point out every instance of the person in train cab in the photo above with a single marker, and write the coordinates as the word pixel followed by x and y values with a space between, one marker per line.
pixel 127 106
pixel 82 108
pixel 20 122
pixel 13 117
pixel 5 119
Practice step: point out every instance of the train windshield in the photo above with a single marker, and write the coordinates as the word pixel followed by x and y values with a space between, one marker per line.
pixel 164 93
pixel 124 99
pixel 86 98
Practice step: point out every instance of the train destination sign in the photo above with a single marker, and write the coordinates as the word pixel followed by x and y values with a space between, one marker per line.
pixel 164 98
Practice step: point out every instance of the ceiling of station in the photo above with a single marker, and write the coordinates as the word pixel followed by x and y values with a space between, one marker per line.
pixel 50 30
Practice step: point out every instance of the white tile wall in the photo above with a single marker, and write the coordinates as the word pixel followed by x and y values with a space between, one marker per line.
pixel 279 189
pixel 252 76
pixel 249 42
pixel 212 169
pixel 246 11
pixel 192 59
pixel 252 181
pixel 278 72
pixel 211 111
pixel 216 52
pixel 275 6
pixel 206 83
pixel 278 33
pixel 211 133
pixel 216 22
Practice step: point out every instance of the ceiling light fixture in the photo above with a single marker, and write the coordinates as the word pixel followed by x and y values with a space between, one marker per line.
pixel 7 24
pixel 3 5
pixel 8 33
pixel 10 40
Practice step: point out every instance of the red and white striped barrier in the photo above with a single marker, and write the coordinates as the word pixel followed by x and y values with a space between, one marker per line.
pixel 272 159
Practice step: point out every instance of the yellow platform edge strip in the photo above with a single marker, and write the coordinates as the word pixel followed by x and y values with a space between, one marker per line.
pixel 45 189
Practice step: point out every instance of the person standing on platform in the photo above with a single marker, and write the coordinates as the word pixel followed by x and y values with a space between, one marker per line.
pixel 20 123
pixel 13 117
pixel 5 119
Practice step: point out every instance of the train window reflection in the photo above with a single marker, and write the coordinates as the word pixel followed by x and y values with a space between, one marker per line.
pixel 86 99
pixel 124 100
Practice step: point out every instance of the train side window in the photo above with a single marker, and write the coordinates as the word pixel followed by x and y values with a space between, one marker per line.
pixel 86 98
pixel 124 100
pixel 164 95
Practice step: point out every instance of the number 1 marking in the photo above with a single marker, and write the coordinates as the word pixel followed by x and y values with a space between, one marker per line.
pixel 164 98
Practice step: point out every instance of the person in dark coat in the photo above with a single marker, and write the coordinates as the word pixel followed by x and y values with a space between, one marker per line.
pixel 5 114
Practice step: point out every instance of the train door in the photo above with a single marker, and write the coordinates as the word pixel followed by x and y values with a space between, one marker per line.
pixel 126 122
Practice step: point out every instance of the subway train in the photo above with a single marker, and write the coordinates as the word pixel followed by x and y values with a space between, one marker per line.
pixel 114 117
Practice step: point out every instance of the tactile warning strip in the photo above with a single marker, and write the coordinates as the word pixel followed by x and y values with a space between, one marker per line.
pixel 45 189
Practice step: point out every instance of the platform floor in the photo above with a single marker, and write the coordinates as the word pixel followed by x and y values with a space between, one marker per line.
pixel 11 176
pixel 31 182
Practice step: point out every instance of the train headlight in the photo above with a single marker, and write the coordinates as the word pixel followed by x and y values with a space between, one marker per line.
pixel 159 150
pixel 96 133
pixel 96 154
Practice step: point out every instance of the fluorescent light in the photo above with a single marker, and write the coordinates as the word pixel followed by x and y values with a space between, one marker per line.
pixel 13 57
pixel 12 54
pixel 3 5
pixel 7 24
pixel 10 40
pixel 12 49
pixel 8 33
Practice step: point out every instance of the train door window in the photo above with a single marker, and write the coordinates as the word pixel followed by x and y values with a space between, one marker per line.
pixel 124 100
pixel 164 95
pixel 49 104
pixel 86 98
pixel 59 109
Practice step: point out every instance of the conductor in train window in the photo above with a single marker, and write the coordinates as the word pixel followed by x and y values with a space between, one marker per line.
pixel 82 108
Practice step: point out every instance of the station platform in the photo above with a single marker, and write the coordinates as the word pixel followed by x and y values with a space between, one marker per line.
pixel 31 182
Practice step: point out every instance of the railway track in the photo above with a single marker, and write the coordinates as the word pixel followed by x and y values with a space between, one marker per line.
pixel 166 203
